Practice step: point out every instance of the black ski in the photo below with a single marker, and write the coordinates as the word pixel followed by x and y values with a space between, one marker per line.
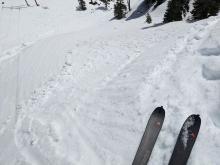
pixel 185 140
pixel 150 136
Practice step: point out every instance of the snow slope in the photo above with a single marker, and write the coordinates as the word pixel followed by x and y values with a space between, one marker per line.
pixel 94 83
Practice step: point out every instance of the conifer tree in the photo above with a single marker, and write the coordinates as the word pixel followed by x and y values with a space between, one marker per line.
pixel 106 2
pixel 120 9
pixel 173 12
pixel 176 10
pixel 150 1
pixel 185 7
pixel 205 8
pixel 82 5
pixel 148 18
pixel 92 3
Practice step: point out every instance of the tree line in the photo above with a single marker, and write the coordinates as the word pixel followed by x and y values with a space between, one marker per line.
pixel 120 9
pixel 176 9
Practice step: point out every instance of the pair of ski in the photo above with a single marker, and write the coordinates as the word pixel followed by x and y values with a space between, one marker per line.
pixel 184 143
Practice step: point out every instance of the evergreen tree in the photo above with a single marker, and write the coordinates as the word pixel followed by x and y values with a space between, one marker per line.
pixel 120 9
pixel 106 2
pixel 150 1
pixel 185 7
pixel 148 18
pixel 173 12
pixel 82 5
pixel 176 10
pixel 205 8
pixel 93 3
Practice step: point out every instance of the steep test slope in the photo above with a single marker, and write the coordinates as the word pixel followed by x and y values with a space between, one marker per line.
pixel 112 74
pixel 96 110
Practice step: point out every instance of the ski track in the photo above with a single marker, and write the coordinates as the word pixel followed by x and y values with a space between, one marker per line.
pixel 105 114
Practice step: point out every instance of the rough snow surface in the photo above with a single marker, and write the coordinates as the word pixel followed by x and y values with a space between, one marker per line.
pixel 78 87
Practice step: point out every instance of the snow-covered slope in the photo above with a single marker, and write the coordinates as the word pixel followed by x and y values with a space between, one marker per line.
pixel 86 85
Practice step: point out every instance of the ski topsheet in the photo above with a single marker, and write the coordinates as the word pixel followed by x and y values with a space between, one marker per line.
pixel 150 136
pixel 185 140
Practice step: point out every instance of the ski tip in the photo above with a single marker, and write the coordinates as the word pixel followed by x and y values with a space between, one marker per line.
pixel 195 116
pixel 159 110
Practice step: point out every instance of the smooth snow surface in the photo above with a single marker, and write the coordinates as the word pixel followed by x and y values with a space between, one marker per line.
pixel 78 87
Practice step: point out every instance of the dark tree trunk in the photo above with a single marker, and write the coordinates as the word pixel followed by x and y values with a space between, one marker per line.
pixel 27 3
pixel 36 3
pixel 129 5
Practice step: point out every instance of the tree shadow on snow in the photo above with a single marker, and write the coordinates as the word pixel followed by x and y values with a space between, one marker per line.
pixel 141 10
pixel 15 7
pixel 102 8
pixel 144 7
pixel 155 25
pixel 113 18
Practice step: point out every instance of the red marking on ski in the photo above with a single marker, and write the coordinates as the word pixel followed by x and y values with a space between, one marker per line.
pixel 193 135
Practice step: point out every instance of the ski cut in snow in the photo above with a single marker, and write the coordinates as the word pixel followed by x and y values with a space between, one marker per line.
pixel 186 140
pixel 149 138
